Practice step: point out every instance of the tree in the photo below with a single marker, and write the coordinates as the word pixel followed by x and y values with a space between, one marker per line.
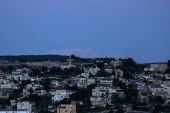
pixel 31 91
pixel 127 75
pixel 47 84
pixel 90 87
pixel 101 73
pixel 120 110
pixel 163 78
pixel 98 108
pixel 79 109
pixel 10 68
pixel 94 62
pixel 107 106
pixel 129 62
pixel 154 76
pixel 77 70
pixel 167 71
pixel 44 69
pixel 40 60
pixel 73 56
pixel 159 99
pixel 111 111
pixel 113 72
pixel 36 71
pixel 3 69
pixel 64 101
pixel 55 70
pixel 21 60
pixel 100 65
pixel 144 81
pixel 168 63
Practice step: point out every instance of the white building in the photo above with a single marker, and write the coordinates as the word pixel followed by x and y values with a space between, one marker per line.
pixel 14 111
pixel 116 63
pixel 92 71
pixel 100 101
pixel 108 70
pixel 86 75
pixel 66 108
pixel 119 72
pixel 21 77
pixel 84 82
pixel 25 105
pixel 61 93
pixel 22 71
pixel 157 67
pixel 157 89
pixel 33 86
pixel 106 81
pixel 102 94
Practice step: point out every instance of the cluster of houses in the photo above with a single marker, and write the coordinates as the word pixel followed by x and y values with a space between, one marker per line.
pixel 155 86
pixel 101 94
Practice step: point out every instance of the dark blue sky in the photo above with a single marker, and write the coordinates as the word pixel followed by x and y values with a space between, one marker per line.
pixel 87 28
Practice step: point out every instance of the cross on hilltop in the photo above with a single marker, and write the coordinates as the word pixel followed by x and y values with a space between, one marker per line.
pixel 70 60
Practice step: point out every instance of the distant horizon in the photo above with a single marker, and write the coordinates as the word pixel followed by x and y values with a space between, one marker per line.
pixel 86 57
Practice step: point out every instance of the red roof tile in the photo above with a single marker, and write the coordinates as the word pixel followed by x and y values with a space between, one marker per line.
pixel 161 93
pixel 60 88
pixel 107 78
pixel 105 85
pixel 114 75
pixel 148 92
pixel 120 69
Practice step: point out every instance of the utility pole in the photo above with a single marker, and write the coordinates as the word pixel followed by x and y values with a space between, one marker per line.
pixel 147 101
pixel 44 102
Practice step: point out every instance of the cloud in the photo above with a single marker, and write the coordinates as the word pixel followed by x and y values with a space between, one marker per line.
pixel 88 53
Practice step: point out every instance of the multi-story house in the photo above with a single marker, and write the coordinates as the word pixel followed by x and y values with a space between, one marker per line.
pixel 106 81
pixel 162 94
pixel 119 72
pixel 14 111
pixel 2 76
pixel 23 71
pixel 92 71
pixel 157 67
pixel 140 86
pixel 102 94
pixel 116 63
pixel 4 92
pixel 143 96
pixel 108 70
pixel 100 101
pixel 13 102
pixel 84 82
pixel 33 86
pixel 24 105
pixel 156 83
pixel 66 108
pixel 90 81
pixel 61 93
pixel 21 77
pixel 41 92
pixel 86 75
pixel 167 88
pixel 157 89
pixel 81 82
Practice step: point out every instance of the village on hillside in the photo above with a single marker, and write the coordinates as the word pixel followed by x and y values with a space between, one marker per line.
pixel 100 85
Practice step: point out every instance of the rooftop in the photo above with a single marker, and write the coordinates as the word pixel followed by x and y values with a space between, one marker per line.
pixel 60 88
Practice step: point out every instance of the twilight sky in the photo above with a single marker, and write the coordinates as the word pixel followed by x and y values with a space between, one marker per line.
pixel 139 29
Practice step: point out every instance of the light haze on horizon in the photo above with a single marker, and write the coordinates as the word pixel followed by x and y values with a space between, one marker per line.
pixel 139 29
